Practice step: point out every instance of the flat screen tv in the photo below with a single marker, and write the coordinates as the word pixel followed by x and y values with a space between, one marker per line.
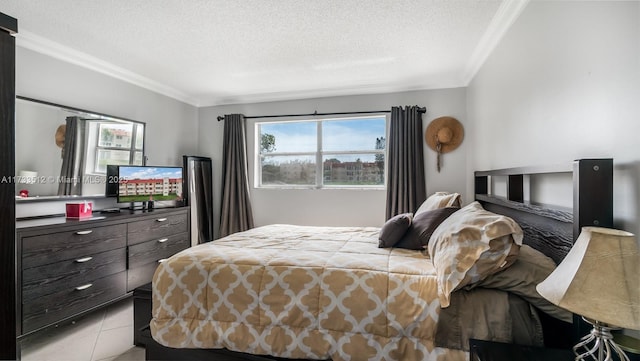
pixel 149 183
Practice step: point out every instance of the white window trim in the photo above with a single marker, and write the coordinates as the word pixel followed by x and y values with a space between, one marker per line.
pixel 92 148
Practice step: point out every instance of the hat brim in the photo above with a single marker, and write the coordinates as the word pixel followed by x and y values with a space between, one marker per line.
pixel 60 134
pixel 431 134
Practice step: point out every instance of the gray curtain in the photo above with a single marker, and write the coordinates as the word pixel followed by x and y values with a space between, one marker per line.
pixel 406 188
pixel 72 172
pixel 236 213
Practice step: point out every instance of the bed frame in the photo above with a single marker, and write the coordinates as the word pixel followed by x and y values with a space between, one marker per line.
pixel 550 229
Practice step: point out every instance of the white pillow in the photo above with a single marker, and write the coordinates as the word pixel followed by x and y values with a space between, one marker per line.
pixel 440 200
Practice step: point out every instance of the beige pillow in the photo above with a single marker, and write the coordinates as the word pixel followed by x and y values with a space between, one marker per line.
pixel 440 200
pixel 470 245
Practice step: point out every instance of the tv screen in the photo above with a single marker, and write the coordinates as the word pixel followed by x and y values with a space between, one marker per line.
pixel 149 183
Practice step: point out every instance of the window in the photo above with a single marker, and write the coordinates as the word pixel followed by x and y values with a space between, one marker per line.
pixel 322 153
pixel 110 142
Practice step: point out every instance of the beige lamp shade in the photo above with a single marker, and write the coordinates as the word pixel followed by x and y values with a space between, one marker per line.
pixel 599 278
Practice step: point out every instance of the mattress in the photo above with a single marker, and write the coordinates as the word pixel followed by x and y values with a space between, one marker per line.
pixel 314 293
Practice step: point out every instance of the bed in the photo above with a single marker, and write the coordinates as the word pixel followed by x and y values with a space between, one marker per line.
pixel 297 292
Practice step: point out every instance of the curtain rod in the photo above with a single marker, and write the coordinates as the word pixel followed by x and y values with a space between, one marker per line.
pixel 315 113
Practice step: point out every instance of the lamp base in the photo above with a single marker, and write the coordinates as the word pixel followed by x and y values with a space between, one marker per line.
pixel 598 345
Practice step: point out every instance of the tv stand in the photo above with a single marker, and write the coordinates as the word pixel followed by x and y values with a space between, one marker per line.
pixel 147 205
pixel 144 206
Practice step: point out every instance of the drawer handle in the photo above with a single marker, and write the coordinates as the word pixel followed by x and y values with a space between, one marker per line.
pixel 161 219
pixel 84 232
pixel 84 287
pixel 163 240
pixel 83 260
pixel 162 260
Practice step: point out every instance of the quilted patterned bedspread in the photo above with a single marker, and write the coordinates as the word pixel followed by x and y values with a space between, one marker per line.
pixel 300 292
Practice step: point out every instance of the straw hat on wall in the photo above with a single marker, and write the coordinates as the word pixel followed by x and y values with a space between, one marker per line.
pixel 60 133
pixel 444 135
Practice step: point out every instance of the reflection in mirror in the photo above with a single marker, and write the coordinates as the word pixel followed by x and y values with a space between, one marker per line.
pixel 64 151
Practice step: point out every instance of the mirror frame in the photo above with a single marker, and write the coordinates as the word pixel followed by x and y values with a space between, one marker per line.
pixel 88 113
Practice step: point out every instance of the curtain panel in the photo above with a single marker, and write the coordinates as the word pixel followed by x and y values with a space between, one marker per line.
pixel 236 213
pixel 406 188
pixel 72 171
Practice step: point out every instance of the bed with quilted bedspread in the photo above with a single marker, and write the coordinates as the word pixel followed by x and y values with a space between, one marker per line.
pixel 323 293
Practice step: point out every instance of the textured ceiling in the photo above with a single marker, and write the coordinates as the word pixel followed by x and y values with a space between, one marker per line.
pixel 208 52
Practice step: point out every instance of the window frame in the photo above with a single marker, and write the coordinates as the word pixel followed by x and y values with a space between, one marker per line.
pixel 318 154
pixel 94 144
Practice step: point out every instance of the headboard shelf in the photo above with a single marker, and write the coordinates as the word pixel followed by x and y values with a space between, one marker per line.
pixel 592 203
pixel 557 168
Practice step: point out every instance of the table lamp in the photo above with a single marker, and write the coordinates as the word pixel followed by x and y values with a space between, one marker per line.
pixel 599 279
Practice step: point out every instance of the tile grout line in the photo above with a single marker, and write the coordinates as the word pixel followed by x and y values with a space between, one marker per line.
pixel 95 343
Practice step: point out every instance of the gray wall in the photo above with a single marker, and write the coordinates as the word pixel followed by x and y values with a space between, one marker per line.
pixel 171 125
pixel 336 207
pixel 563 84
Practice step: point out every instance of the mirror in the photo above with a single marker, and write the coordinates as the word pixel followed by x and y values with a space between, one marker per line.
pixel 52 136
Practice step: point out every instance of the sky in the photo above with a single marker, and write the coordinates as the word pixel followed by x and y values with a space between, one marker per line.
pixel 338 135
pixel 132 172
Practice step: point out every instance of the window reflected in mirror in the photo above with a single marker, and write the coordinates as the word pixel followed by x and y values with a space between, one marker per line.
pixel 113 143
pixel 69 148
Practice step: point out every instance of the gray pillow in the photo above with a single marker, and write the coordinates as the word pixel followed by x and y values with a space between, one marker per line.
pixel 423 225
pixel 521 278
pixel 394 229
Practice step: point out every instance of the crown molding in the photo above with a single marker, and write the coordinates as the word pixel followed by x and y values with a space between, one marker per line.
pixel 56 50
pixel 363 89
pixel 506 15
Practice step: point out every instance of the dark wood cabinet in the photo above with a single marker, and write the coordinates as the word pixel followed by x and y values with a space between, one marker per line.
pixel 8 317
pixel 69 267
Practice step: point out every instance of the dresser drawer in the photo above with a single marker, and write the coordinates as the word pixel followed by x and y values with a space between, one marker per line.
pixel 152 251
pixel 72 300
pixel 46 279
pixel 60 246
pixel 157 227
pixel 145 257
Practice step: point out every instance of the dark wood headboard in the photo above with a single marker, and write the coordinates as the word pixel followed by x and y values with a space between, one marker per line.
pixel 551 229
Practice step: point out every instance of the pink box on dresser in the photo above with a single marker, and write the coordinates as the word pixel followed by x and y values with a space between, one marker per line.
pixel 79 210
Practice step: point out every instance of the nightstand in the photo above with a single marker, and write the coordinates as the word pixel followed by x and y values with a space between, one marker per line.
pixel 498 351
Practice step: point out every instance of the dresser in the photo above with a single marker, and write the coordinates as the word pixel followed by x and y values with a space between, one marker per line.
pixel 70 267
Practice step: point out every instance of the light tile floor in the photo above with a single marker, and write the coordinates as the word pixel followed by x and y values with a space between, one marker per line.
pixel 104 335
